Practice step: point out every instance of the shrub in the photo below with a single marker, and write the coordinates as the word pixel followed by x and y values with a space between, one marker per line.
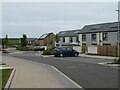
pixel 48 52
pixel 5 52
pixel 24 49
pixel 117 61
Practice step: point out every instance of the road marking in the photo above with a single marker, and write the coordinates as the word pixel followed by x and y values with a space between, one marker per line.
pixel 68 78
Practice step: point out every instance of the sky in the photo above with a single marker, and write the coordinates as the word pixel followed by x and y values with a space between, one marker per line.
pixel 37 18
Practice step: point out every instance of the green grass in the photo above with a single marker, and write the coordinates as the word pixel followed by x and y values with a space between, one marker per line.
pixel 13 41
pixel 4 76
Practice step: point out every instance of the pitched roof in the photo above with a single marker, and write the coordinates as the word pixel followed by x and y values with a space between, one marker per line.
pixel 69 33
pixel 103 27
pixel 45 35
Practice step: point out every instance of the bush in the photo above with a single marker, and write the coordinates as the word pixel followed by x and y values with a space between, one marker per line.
pixel 24 49
pixel 48 52
pixel 117 61
pixel 5 52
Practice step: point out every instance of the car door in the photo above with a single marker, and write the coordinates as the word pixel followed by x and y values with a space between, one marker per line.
pixel 64 51
pixel 69 51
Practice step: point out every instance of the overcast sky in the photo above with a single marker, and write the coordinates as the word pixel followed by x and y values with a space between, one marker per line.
pixel 37 18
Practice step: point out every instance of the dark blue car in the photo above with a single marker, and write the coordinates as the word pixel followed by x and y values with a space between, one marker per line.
pixel 65 51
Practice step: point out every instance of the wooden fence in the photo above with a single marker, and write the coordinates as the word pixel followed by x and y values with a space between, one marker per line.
pixel 105 50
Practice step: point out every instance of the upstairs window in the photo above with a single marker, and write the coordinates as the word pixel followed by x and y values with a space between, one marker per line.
pixel 105 36
pixel 84 37
pixel 77 39
pixel 63 39
pixel 93 37
pixel 71 39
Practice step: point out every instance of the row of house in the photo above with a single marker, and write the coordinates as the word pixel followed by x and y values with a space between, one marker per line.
pixel 96 34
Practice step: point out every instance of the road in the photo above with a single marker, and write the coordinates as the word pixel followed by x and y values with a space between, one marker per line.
pixel 88 75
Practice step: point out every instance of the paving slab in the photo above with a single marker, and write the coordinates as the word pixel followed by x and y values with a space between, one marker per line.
pixel 30 74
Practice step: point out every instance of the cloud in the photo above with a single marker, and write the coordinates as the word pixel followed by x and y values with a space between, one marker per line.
pixel 39 18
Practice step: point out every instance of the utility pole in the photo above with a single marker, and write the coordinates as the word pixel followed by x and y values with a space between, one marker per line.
pixel 118 29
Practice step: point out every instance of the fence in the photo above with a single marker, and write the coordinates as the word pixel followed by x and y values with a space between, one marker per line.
pixel 108 50
pixel 105 50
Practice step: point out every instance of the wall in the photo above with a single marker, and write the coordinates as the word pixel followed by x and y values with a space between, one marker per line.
pixel 67 39
pixel 78 48
pixel 112 38
pixel 92 49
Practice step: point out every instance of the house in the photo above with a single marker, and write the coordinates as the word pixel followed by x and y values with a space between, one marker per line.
pixel 30 41
pixel 69 36
pixel 99 34
pixel 47 39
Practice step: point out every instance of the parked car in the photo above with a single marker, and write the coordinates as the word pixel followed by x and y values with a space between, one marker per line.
pixel 65 51
pixel 39 48
pixel 2 49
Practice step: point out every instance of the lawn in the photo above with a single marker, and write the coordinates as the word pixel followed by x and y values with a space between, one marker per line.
pixel 4 76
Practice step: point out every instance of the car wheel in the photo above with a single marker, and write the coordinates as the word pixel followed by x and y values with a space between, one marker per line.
pixel 76 54
pixel 61 55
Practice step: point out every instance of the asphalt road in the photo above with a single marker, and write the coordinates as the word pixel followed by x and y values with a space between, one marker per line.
pixel 88 75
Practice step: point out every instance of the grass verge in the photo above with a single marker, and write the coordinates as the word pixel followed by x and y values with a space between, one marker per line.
pixel 4 76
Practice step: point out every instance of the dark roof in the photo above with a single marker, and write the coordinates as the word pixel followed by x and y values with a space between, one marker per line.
pixel 69 33
pixel 45 35
pixel 30 39
pixel 103 27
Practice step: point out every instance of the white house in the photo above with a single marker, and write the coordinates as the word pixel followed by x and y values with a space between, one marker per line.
pixel 99 34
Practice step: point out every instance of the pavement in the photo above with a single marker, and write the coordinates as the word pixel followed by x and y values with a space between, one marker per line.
pixel 36 75
pixel 96 56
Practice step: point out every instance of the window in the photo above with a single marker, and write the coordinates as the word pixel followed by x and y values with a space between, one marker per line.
pixel 105 36
pixel 94 44
pixel 71 39
pixel 96 27
pixel 83 43
pixel 69 49
pixel 63 39
pixel 93 37
pixel 115 25
pixel 77 39
pixel 84 37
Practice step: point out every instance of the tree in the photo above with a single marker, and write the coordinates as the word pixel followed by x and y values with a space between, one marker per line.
pixel 23 41
pixel 57 38
pixel 5 41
